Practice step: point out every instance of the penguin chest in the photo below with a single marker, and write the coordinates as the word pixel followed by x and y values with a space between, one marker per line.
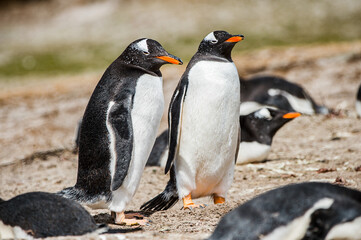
pixel 148 105
pixel 210 123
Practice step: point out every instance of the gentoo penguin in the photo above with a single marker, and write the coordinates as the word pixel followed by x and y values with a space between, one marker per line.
pixel 119 128
pixel 203 126
pixel 358 102
pixel 41 215
pixel 272 91
pixel 300 211
pixel 257 131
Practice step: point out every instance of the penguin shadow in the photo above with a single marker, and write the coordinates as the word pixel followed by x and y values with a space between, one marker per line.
pixel 106 218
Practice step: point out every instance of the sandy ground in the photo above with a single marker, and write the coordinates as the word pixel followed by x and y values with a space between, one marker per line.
pixel 38 120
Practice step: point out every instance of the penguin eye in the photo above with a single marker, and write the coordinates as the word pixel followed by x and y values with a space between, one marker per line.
pixel 214 41
pixel 146 53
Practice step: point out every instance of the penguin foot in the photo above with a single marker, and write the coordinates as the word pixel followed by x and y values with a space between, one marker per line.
pixel 129 219
pixel 189 204
pixel 218 200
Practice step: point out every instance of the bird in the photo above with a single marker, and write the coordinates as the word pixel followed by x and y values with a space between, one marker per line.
pixel 309 210
pixel 42 214
pixel 203 126
pixel 257 131
pixel 118 130
pixel 358 102
pixel 273 91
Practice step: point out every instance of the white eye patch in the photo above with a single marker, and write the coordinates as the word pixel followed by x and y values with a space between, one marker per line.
pixel 263 113
pixel 142 45
pixel 210 37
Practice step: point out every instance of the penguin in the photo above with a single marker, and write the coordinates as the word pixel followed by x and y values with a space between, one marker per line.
pixel 203 126
pixel 41 215
pixel 119 128
pixel 358 102
pixel 257 131
pixel 311 210
pixel 277 92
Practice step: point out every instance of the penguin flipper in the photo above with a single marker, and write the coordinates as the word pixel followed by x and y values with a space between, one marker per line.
pixel 121 128
pixel 165 199
pixel 175 120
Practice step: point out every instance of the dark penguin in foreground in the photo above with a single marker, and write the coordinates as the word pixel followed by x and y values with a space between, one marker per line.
pixel 119 128
pixel 203 126
pixel 41 215
pixel 257 131
pixel 309 211
pixel 277 92
pixel 358 102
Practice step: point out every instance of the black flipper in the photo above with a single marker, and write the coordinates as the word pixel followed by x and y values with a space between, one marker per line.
pixel 166 199
pixel 121 123
pixel 174 120
pixel 160 145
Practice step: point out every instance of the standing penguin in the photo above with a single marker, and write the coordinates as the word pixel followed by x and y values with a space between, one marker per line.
pixel 119 128
pixel 203 126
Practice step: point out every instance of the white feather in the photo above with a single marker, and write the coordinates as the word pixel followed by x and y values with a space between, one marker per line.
pixel 252 152
pixel 297 228
pixel 146 115
pixel 249 107
pixel 347 230
pixel 210 124
pixel 113 152
pixel 300 105
pixel 210 37
pixel 142 45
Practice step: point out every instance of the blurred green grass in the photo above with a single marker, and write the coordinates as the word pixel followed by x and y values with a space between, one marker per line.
pixel 92 44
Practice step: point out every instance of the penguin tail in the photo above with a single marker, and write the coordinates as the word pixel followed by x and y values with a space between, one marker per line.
pixel 164 200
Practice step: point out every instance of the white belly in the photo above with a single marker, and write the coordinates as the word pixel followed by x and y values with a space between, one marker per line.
pixel 209 130
pixel 146 114
pixel 252 152
pixel 358 108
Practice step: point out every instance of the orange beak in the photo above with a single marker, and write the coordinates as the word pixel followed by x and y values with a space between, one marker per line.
pixel 235 39
pixel 291 115
pixel 170 60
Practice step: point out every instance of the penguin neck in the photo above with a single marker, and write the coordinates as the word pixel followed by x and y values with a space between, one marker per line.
pixel 224 53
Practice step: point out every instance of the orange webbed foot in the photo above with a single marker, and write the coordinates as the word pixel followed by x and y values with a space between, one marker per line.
pixel 189 204
pixel 129 219
pixel 218 200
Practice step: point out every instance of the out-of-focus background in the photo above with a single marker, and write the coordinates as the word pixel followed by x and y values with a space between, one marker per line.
pixel 49 37
pixel 53 53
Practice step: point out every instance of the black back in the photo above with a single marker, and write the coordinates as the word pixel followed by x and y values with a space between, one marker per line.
pixel 358 97
pixel 278 207
pixel 46 215
pixel 256 89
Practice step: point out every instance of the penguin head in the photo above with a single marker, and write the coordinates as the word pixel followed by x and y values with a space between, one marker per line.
pixel 219 43
pixel 149 54
pixel 264 123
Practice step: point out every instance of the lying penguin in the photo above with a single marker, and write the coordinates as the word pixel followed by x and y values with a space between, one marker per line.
pixel 276 92
pixel 358 102
pixel 257 131
pixel 204 126
pixel 119 128
pixel 41 215
pixel 299 211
